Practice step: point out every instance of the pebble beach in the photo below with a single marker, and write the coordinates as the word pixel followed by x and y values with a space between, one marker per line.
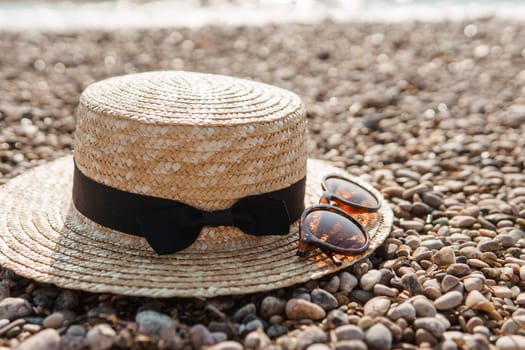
pixel 431 114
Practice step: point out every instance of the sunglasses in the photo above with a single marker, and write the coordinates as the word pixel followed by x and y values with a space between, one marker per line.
pixel 339 224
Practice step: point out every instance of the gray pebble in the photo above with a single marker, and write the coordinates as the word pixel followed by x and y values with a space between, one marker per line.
pixel 449 282
pixel 432 244
pixel 76 330
pixel 448 301
pixel 462 221
pixel 336 318
pixel 13 308
pixel 430 324
pixel 152 322
pixel 424 308
pixel 347 282
pixel 378 337
pixel 241 313
pixel 473 283
pixel 411 283
pixel 351 345
pixel 101 337
pixel 276 330
pixel 55 320
pixel 71 342
pixel 333 285
pixel 348 332
pixel 48 339
pixel 381 289
pixel 324 299
pixel 271 306
pixel 200 336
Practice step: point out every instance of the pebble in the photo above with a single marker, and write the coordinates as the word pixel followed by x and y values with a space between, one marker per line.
pixel 513 325
pixel 324 299
pixel 376 306
pixel 13 308
pixel 200 336
pixel 444 257
pixel 336 318
pixel 432 244
pixel 256 340
pixel 462 221
pixel 297 309
pixel 349 332
pixel 431 325
pixel 378 337
pixel 412 225
pixel 240 314
pixel 152 322
pixel 76 330
pixel 405 311
pixel 48 339
pixel 55 320
pixel 511 342
pixel 424 308
pixel 370 279
pixel 333 284
pixel 473 283
pixel 348 281
pixel 227 345
pixel 449 282
pixel 101 337
pixel 271 306
pixel 448 301
pixel 311 335
pixel 458 269
pixel 276 330
pixel 353 344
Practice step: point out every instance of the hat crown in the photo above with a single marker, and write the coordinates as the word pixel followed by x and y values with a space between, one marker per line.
pixel 205 140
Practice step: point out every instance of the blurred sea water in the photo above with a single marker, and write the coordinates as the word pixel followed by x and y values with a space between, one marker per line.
pixel 109 14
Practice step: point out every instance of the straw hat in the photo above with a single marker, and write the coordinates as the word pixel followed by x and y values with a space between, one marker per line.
pixel 203 142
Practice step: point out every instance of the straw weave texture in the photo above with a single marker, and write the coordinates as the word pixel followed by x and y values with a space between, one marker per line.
pixel 205 140
pixel 202 139
pixel 43 237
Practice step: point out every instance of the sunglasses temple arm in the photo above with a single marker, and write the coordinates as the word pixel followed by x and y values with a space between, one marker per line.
pixel 335 260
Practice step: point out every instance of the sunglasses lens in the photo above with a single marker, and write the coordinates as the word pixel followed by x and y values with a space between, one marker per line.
pixel 336 230
pixel 351 192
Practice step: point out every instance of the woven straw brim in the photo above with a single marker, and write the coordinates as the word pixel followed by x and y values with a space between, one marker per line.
pixel 42 237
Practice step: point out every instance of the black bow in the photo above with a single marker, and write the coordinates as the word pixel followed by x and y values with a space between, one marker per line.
pixel 170 230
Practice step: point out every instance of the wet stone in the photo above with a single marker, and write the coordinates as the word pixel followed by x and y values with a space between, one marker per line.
pixel 297 309
pixel 48 339
pixel 448 300
pixel 271 306
pixel 324 299
pixel 13 308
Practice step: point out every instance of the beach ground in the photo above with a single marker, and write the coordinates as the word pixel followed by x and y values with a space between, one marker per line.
pixel 432 114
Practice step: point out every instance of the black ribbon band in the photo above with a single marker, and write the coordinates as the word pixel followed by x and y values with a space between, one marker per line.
pixel 170 226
